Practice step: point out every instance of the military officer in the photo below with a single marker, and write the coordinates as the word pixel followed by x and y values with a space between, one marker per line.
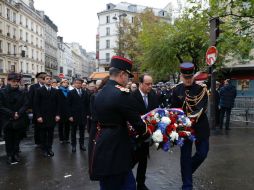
pixel 192 98
pixel 110 159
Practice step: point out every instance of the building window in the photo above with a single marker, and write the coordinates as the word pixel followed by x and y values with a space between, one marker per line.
pixel 21 66
pixel 1 49
pixel 107 43
pixel 20 19
pixel 14 33
pixel 107 57
pixel 14 17
pixel 0 9
pixel 107 31
pixel 14 49
pixel 108 19
pixel 26 37
pixel 32 66
pixel 132 19
pixel 1 66
pixel 8 14
pixel 9 48
pixel 12 68
pixel 61 69
pixel 32 39
pixel 26 22
pixel 8 31
pixel 27 68
pixel 21 35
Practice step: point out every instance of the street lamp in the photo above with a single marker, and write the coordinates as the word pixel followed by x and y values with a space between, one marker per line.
pixel 120 32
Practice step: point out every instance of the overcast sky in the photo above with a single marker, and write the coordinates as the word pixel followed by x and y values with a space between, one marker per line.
pixel 77 20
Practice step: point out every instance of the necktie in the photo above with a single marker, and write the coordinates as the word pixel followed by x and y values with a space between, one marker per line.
pixel 145 100
pixel 79 92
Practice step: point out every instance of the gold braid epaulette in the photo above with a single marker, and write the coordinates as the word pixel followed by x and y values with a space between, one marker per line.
pixel 191 101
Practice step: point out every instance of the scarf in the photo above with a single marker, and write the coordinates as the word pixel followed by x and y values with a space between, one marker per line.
pixel 64 90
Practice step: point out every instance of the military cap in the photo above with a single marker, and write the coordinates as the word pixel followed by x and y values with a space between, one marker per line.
pixel 187 69
pixel 122 64
pixel 14 76
pixel 40 75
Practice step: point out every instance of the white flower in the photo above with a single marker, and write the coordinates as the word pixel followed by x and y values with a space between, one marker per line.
pixel 174 136
pixel 157 144
pixel 188 122
pixel 165 120
pixel 157 136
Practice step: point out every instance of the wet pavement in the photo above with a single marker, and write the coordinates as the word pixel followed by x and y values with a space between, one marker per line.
pixel 229 166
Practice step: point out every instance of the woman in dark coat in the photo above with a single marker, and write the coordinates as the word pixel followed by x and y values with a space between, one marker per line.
pixel 64 125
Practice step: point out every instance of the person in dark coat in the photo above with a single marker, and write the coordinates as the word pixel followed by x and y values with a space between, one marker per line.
pixel 13 106
pixel 2 86
pixel 64 124
pixel 47 114
pixel 146 100
pixel 193 99
pixel 78 101
pixel 31 93
pixel 227 100
pixel 111 159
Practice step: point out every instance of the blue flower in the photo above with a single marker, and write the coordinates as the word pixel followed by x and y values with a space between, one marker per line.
pixel 192 138
pixel 162 127
pixel 180 142
pixel 166 146
pixel 161 112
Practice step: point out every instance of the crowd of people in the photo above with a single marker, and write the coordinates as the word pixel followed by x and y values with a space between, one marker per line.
pixel 107 108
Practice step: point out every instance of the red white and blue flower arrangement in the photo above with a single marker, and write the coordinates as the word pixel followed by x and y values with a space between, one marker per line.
pixel 169 127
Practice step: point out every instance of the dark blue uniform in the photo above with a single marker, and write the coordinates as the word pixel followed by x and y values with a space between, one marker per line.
pixel 110 159
pixel 193 99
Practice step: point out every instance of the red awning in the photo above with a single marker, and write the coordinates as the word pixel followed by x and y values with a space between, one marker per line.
pixel 201 76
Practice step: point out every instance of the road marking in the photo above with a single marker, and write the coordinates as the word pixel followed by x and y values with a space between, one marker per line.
pixel 67 176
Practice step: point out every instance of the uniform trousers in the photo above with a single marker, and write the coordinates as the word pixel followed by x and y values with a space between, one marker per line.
pixel 125 181
pixel 190 163
pixel 47 136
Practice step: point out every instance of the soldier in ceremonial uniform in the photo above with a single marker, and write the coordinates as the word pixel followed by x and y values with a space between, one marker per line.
pixel 110 159
pixel 193 99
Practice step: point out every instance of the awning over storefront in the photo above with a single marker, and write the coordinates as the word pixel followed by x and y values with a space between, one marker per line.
pixel 201 76
pixel 98 75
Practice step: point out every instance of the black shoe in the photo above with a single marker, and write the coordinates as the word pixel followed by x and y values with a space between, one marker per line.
pixel 82 147
pixel 73 149
pixel 10 160
pixel 51 153
pixel 45 154
pixel 228 129
pixel 16 158
pixel 142 187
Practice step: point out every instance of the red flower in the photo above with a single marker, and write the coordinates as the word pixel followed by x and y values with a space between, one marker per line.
pixel 165 138
pixel 173 118
pixel 153 122
pixel 151 128
pixel 182 134
pixel 170 128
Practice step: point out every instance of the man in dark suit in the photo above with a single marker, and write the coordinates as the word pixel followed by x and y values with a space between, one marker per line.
pixel 78 101
pixel 31 95
pixel 146 100
pixel 110 159
pixel 47 114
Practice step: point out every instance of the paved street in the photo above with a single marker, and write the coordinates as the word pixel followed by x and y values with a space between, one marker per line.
pixel 229 166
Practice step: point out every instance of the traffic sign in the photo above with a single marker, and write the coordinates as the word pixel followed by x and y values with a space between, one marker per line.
pixel 211 55
pixel 61 75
